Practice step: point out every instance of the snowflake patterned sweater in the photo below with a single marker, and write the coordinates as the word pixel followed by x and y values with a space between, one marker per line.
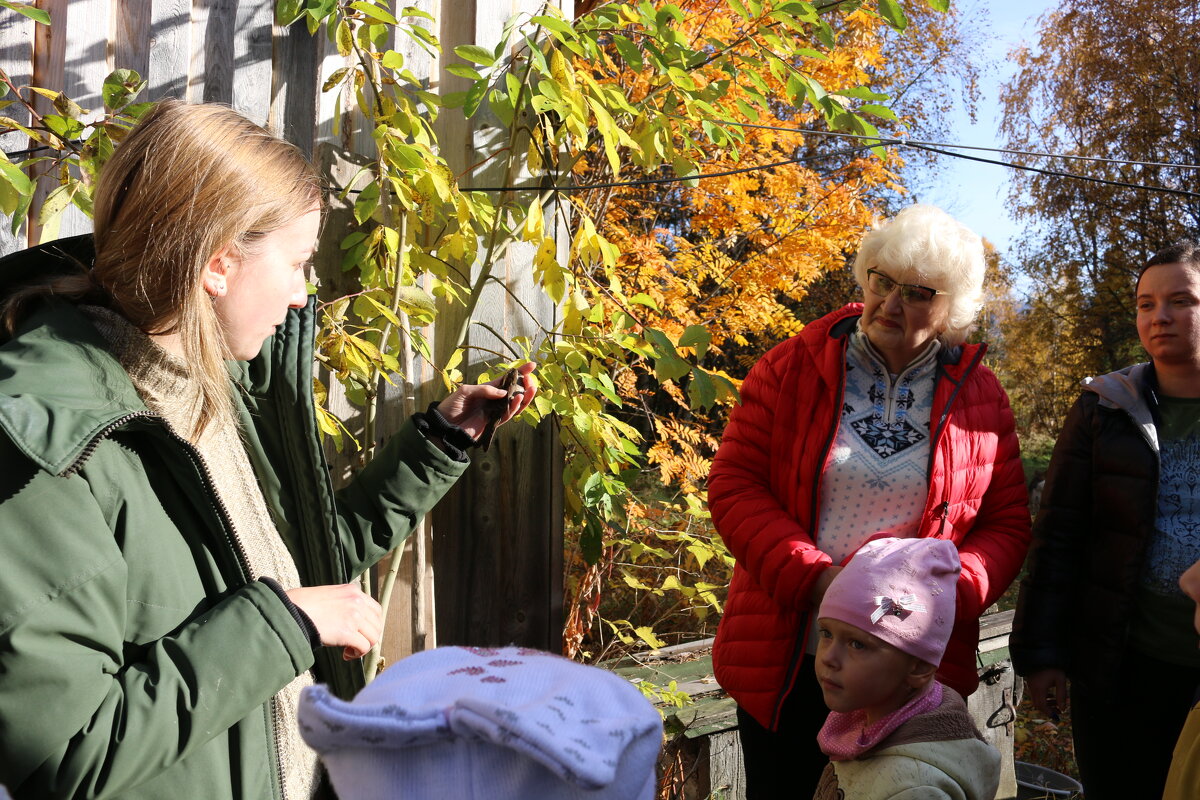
pixel 876 478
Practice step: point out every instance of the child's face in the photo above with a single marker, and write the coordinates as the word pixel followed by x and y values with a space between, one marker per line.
pixel 859 671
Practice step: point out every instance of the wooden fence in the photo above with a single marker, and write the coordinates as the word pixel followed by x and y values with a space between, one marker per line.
pixel 497 539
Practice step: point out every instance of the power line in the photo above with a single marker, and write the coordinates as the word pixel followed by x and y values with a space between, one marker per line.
pixel 891 140
pixel 1055 173
pixel 886 141
pixel 871 141
pixel 666 179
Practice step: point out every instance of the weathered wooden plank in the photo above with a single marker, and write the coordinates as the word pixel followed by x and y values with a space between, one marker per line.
pixel 169 54
pixel 726 771
pixel 993 708
pixel 294 86
pixel 131 45
pixel 49 56
pixel 250 89
pixel 498 536
pixel 87 61
pixel 212 51
pixel 16 59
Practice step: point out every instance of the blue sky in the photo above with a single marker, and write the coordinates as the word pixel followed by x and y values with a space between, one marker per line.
pixel 972 192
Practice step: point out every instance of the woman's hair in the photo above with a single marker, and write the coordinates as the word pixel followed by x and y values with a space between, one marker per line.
pixel 927 246
pixel 1185 251
pixel 188 181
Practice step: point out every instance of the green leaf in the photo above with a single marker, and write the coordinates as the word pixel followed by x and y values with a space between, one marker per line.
pixel 15 178
pixel 591 541
pixel 629 52
pixel 375 12
pixel 725 388
pixel 120 87
pixel 696 336
pixel 663 347
pixel 474 97
pixel 288 11
pixel 367 202
pixel 702 393
pixel 58 200
pixel 10 198
pixel 643 299
pixel 475 53
pixel 22 210
pixel 35 14
pixel 464 71
pixel 393 60
pixel 882 112
pixel 345 38
pixel 556 24
pixel 939 5
pixel 413 11
pixel 415 301
pixel 737 6
pixel 890 10
pixel 685 168
pixel 67 107
pixel 671 368
pixel 861 93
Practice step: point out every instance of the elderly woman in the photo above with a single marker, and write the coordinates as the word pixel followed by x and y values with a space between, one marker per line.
pixel 1101 605
pixel 877 420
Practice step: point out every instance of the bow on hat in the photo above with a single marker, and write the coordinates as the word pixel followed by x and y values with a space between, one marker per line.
pixel 895 606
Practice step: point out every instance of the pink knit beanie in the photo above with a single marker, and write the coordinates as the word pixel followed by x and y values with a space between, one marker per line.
pixel 900 590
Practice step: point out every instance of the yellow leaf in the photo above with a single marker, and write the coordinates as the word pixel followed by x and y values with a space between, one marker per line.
pixel 535 224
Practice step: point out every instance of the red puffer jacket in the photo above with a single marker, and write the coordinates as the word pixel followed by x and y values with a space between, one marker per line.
pixel 764 494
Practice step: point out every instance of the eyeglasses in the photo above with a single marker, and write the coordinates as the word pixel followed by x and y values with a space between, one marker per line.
pixel 910 293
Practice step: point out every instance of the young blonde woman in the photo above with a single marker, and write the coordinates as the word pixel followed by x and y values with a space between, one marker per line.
pixel 177 565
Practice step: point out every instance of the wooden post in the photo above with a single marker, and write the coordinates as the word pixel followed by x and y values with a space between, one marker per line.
pixel 498 542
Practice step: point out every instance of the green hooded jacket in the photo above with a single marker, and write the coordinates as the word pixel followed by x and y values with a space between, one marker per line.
pixel 136 658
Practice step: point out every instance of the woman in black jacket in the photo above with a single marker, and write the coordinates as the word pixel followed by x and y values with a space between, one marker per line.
pixel 1119 522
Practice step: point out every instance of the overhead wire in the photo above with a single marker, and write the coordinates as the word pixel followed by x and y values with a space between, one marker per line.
pixel 939 148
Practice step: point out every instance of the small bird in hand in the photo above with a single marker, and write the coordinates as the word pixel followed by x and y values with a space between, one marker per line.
pixel 513 384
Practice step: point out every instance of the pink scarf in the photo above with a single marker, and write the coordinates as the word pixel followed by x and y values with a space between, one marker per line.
pixel 847 735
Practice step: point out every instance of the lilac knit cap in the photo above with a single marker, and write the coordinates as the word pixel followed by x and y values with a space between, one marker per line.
pixel 900 590
pixel 483 723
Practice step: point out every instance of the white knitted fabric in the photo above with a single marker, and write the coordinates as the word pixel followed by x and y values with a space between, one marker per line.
pixel 877 475
pixel 167 387
pixel 469 723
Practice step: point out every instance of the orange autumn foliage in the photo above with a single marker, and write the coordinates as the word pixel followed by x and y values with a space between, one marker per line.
pixel 736 254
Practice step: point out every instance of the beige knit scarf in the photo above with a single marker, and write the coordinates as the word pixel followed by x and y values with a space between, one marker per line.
pixel 168 389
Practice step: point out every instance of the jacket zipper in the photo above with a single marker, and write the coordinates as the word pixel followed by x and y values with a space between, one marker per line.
pixel 244 566
pixel 94 442
pixel 223 514
pixel 802 637
pixel 941 511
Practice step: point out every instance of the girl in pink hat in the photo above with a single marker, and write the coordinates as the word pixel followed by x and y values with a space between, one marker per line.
pixel 892 727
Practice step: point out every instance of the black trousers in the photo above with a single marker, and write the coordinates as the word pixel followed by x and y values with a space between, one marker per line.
pixel 1124 739
pixel 788 762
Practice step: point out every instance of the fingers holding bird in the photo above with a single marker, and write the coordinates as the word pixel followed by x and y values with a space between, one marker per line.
pixel 480 409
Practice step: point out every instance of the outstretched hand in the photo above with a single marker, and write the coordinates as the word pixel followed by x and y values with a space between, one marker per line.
pixel 472 407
